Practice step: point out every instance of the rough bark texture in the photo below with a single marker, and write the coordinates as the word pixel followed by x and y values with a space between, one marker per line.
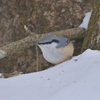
pixel 41 16
pixel 92 37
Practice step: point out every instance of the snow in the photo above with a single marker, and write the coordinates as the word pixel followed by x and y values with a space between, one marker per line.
pixel 75 79
pixel 0 74
pixel 86 19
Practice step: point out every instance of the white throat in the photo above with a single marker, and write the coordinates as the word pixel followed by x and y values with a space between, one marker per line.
pixel 50 52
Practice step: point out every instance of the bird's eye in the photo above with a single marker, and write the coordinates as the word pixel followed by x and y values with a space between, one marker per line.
pixel 55 41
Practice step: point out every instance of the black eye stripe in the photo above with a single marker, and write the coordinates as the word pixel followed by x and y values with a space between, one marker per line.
pixel 55 41
pixel 49 42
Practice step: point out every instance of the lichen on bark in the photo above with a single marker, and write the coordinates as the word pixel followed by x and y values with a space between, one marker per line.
pixel 92 36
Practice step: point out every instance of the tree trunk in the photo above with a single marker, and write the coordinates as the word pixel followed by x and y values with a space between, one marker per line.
pixel 92 36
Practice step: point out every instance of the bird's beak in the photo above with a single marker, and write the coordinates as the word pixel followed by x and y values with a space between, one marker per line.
pixel 35 43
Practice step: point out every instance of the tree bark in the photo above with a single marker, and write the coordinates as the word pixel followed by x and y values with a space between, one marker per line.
pixel 7 50
pixel 92 36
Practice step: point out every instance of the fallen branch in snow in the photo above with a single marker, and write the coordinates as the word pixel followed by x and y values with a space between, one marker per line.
pixel 7 50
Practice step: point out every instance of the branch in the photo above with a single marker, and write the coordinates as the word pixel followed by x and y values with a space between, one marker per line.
pixel 7 50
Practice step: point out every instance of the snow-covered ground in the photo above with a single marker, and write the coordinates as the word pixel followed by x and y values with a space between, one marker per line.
pixel 75 79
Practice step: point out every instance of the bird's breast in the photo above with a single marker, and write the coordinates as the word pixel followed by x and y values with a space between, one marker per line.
pixel 58 55
pixel 52 55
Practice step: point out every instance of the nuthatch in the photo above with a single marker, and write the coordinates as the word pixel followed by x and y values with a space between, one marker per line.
pixel 56 49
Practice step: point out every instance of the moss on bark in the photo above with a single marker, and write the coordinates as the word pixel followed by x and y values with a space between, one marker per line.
pixel 92 36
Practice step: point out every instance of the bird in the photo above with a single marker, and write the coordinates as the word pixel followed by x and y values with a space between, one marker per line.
pixel 56 49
